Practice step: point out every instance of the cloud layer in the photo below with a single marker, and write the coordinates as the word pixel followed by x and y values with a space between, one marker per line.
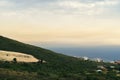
pixel 68 21
pixel 89 7
pixel 79 7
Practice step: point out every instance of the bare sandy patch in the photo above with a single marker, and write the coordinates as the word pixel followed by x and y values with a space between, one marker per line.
pixel 21 57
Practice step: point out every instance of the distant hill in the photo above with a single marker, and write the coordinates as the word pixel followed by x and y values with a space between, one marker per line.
pixel 57 66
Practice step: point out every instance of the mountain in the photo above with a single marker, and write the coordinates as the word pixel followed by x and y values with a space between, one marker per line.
pixel 57 66
pixel 40 53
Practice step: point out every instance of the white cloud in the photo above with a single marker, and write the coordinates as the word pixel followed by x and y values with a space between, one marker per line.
pixel 107 2
pixel 79 7
pixel 89 8
pixel 5 3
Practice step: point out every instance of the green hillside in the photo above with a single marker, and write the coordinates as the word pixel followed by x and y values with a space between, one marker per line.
pixel 57 66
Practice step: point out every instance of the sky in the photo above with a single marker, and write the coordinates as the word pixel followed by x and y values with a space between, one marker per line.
pixel 70 22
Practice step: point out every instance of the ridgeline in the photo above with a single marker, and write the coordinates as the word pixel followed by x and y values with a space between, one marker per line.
pixel 57 67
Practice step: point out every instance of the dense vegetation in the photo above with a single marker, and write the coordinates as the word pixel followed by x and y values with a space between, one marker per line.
pixel 57 66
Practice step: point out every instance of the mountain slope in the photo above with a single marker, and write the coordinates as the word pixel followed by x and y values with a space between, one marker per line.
pixel 40 53
pixel 57 66
pixel 13 45
pixel 52 58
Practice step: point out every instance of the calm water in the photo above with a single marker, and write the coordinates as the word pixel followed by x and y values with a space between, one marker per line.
pixel 107 53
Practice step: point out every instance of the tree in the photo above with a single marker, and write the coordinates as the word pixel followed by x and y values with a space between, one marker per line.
pixel 15 60
pixel 40 61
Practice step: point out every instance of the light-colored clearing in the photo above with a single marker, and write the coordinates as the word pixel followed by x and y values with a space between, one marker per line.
pixel 21 57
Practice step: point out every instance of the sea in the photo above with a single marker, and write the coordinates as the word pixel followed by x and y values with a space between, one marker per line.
pixel 106 53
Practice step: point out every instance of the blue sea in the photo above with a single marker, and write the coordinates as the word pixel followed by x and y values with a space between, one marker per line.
pixel 107 53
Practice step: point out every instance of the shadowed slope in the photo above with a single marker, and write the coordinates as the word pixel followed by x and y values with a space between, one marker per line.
pixel 13 45
pixel 54 60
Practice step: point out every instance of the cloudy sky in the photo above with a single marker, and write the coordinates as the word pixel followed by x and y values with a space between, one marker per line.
pixel 76 22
